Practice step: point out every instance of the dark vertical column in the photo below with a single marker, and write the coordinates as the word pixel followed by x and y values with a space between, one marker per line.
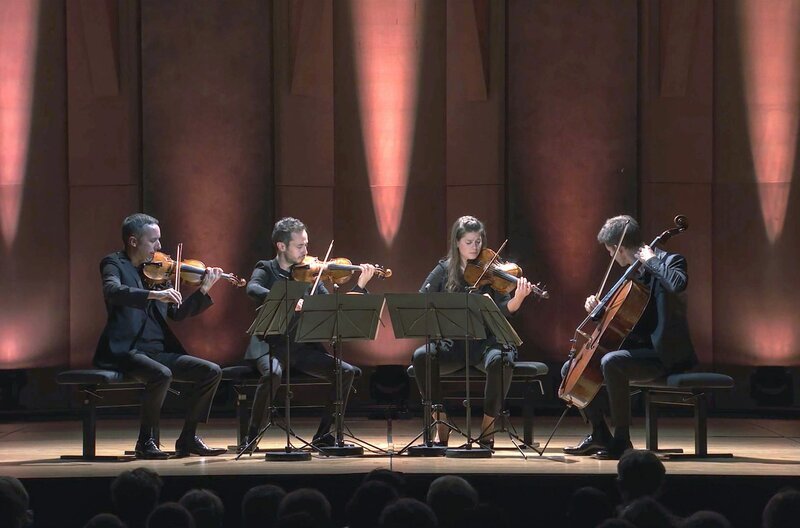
pixel 34 234
pixel 207 148
pixel 476 114
pixel 572 154
pixel 303 58
pixel 676 103
pixel 104 152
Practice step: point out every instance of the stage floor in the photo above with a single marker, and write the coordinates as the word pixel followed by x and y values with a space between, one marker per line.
pixel 761 447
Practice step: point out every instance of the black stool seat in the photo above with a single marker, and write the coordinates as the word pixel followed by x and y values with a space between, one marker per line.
pixel 92 377
pixel 687 389
pixel 247 375
pixel 522 369
pixel 690 380
pixel 93 384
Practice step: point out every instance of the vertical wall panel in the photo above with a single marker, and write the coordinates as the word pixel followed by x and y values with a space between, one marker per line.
pixel 206 117
pixel 476 114
pixel 572 151
pixel 676 104
pixel 104 152
pixel 34 242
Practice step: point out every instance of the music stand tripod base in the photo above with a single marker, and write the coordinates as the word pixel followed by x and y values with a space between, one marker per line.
pixel 341 450
pixel 424 450
pixel 468 452
pixel 284 455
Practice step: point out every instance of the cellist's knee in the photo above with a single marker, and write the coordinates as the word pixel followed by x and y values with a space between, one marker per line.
pixel 565 369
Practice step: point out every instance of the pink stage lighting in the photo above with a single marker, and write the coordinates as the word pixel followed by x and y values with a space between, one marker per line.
pixel 769 30
pixel 18 30
pixel 387 35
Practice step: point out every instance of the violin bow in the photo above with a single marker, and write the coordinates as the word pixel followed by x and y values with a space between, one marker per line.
pixel 319 276
pixel 610 264
pixel 486 268
pixel 178 257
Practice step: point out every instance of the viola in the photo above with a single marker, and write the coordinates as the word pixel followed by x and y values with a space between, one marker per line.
pixel 161 269
pixel 336 270
pixel 615 316
pixel 502 276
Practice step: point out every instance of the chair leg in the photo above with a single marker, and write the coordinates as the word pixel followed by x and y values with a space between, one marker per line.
pixel 650 421
pixel 242 414
pixel 701 425
pixel 89 426
pixel 528 406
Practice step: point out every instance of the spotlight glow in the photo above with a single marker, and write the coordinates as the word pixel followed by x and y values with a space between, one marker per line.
pixel 769 58
pixel 387 35
pixel 18 31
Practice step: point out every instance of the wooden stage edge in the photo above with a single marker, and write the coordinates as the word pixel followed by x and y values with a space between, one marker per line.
pixel 760 447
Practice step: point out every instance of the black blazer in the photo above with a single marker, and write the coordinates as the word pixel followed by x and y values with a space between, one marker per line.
pixel 671 338
pixel 126 307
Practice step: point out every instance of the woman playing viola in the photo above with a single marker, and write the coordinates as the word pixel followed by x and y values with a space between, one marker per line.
pixel 467 238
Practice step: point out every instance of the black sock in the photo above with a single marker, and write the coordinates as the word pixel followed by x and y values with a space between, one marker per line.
pixel 600 431
pixel 325 424
pixel 622 434
pixel 145 433
pixel 189 430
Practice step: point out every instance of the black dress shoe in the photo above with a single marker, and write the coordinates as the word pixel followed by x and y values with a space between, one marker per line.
pixel 614 450
pixel 326 440
pixel 587 446
pixel 148 450
pixel 195 446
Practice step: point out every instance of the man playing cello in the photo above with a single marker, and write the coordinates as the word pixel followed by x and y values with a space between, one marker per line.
pixel 659 343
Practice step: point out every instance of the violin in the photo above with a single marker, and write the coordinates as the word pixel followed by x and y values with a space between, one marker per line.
pixel 336 270
pixel 616 315
pixel 502 276
pixel 159 271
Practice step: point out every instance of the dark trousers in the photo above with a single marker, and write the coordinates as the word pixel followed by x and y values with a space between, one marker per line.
pixel 447 356
pixel 308 358
pixel 619 368
pixel 157 370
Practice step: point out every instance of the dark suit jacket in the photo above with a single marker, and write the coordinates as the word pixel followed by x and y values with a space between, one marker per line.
pixel 671 338
pixel 126 306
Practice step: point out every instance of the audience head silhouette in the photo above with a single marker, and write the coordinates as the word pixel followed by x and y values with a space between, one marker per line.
pixel 307 500
pixel 639 474
pixel 260 506
pixel 450 497
pixel 403 513
pixel 782 510
pixel 170 515
pixel 365 506
pixel 205 506
pixel 135 494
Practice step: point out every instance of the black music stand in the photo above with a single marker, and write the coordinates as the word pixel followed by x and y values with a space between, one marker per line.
pixel 504 334
pixel 435 316
pixel 336 318
pixel 275 317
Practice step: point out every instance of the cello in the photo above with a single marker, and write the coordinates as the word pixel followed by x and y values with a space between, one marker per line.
pixel 615 315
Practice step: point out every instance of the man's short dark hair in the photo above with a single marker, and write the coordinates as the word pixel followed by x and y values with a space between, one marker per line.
pixel 307 500
pixel 393 478
pixel 588 506
pixel 282 232
pixel 134 225
pixel 135 494
pixel 205 506
pixel 783 509
pixel 408 512
pixel 14 503
pixel 450 497
pixel 170 515
pixel 104 520
pixel 706 519
pixel 260 505
pixel 639 474
pixel 368 501
pixel 612 230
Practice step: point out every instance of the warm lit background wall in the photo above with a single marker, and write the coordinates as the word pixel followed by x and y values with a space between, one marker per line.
pixel 378 122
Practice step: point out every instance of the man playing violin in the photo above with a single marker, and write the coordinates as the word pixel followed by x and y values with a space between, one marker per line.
pixel 467 238
pixel 290 238
pixel 138 342
pixel 659 343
